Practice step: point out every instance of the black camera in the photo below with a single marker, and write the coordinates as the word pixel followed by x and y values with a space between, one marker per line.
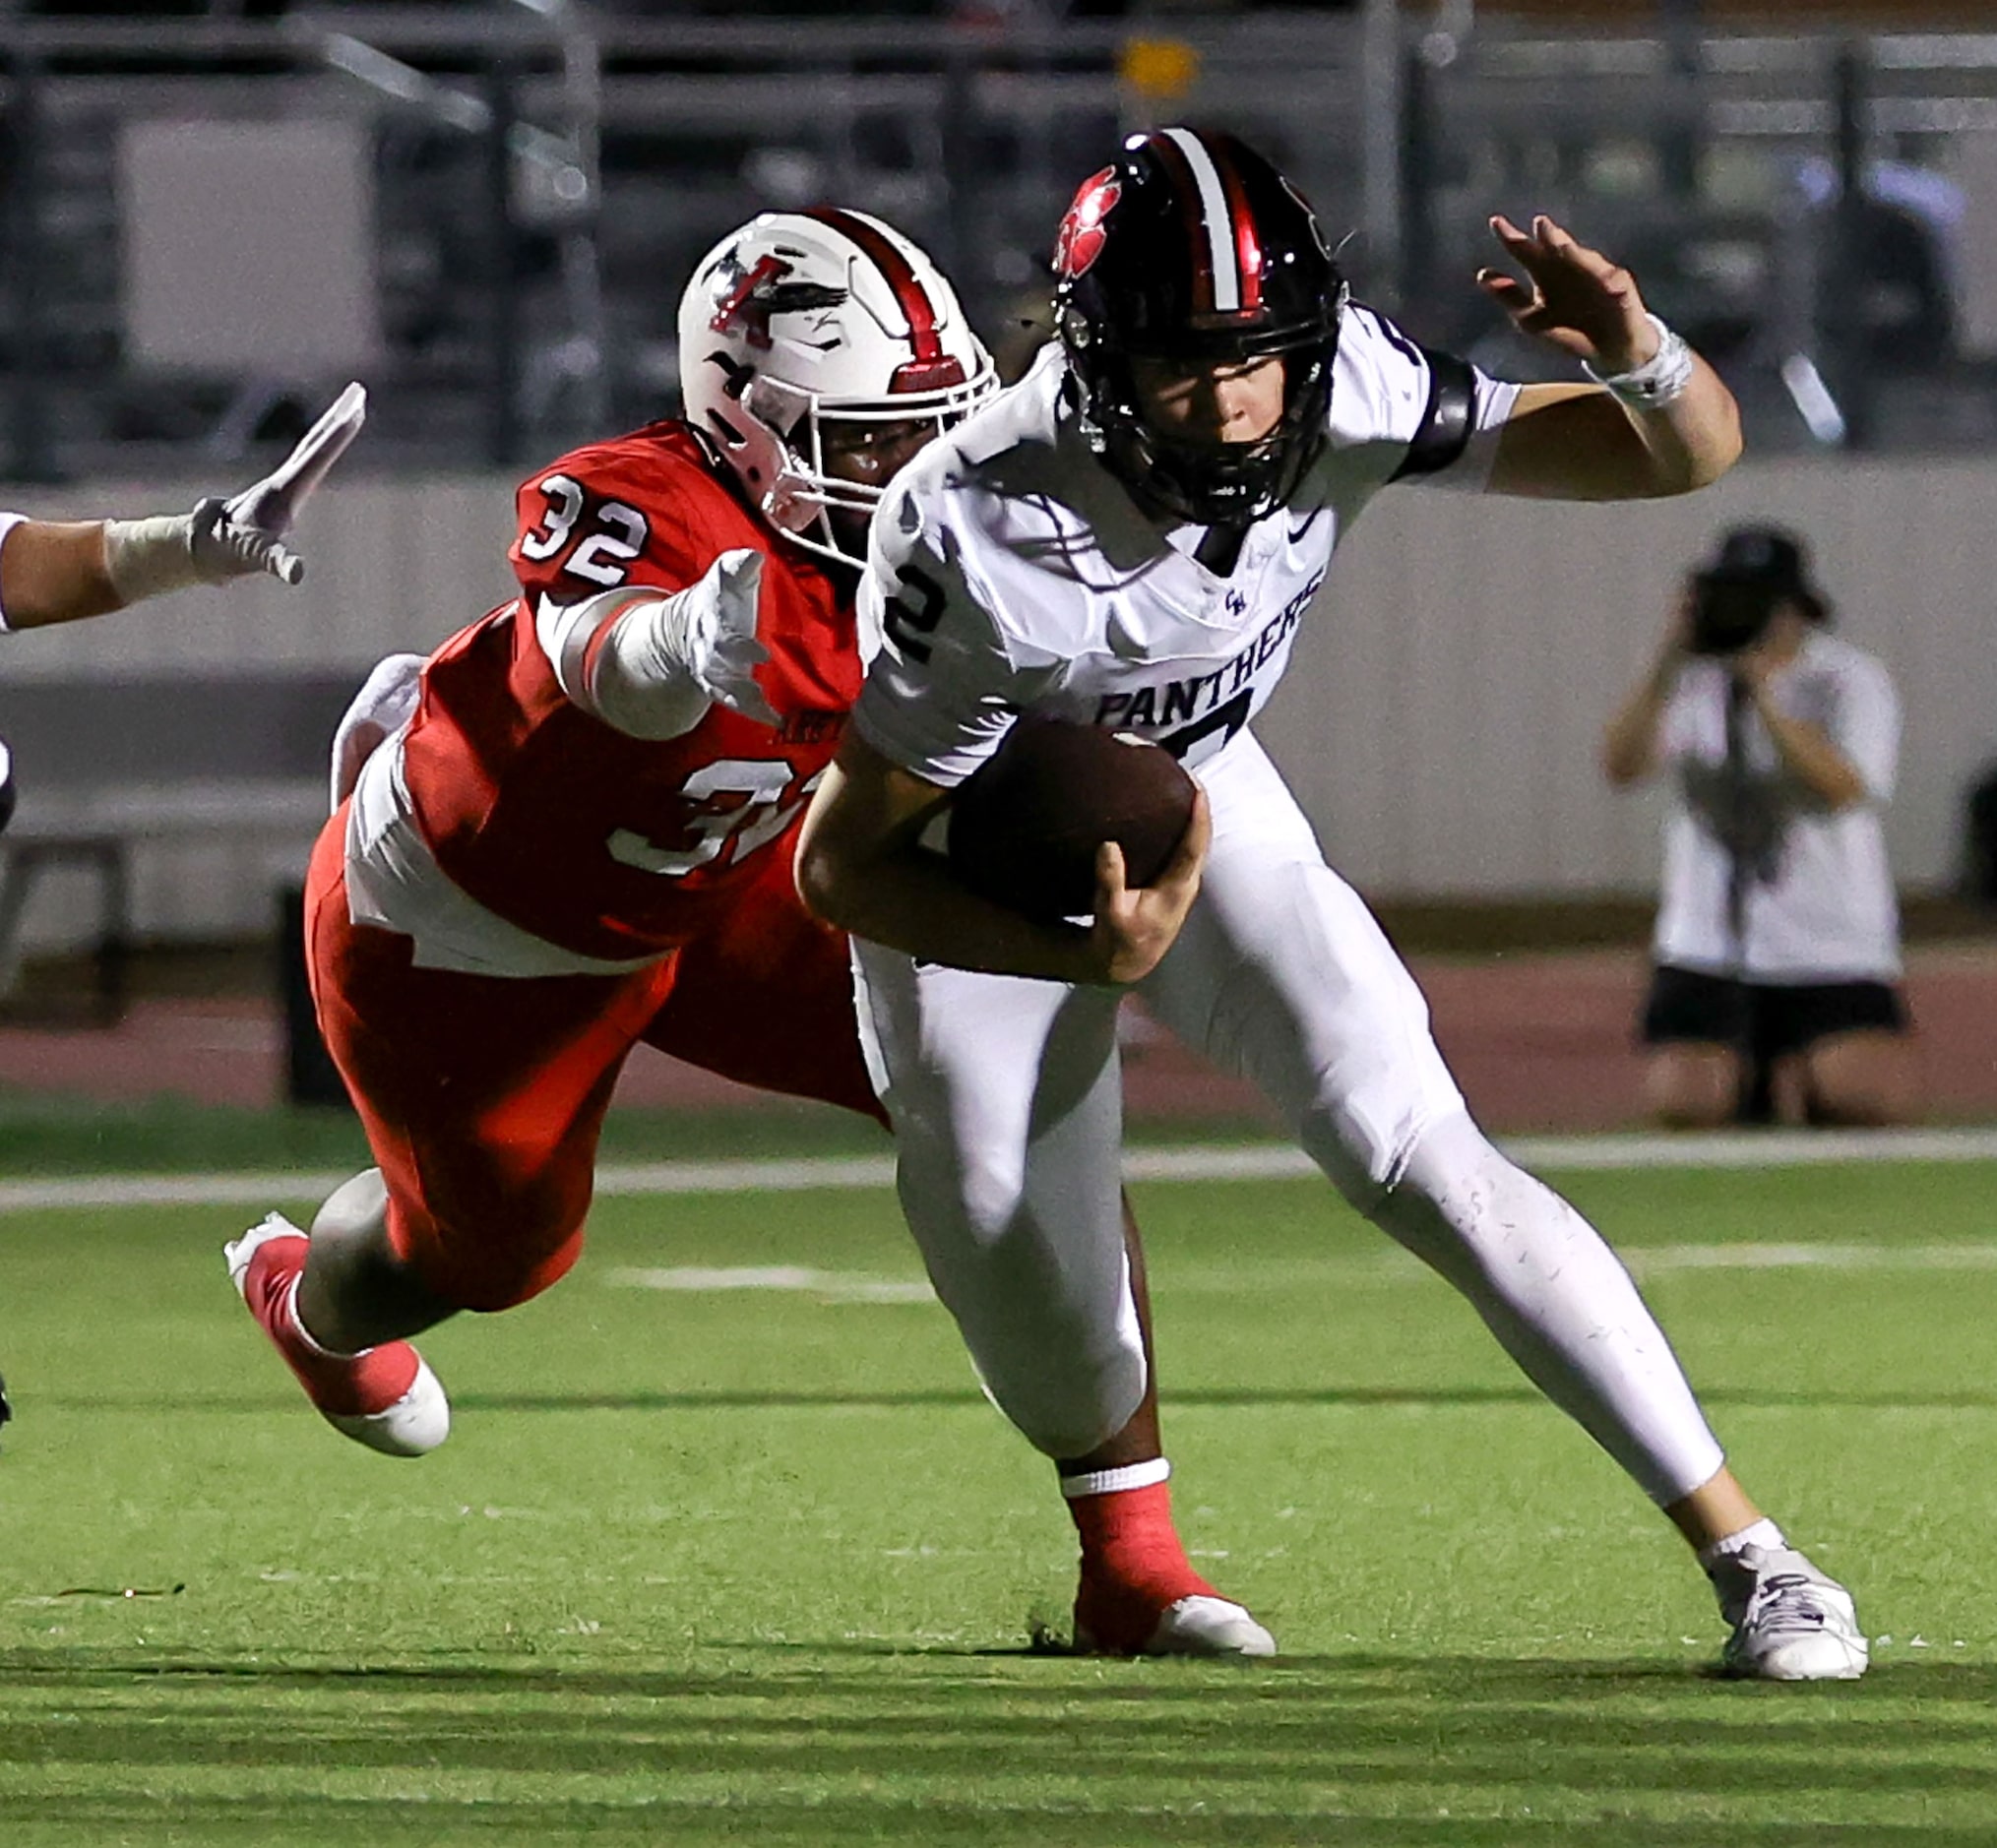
pixel 1734 597
pixel 1728 614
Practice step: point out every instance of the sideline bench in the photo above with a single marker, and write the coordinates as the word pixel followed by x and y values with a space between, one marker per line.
pixel 100 831
pixel 108 769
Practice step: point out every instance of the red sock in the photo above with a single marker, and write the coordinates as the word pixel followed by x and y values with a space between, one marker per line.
pixel 349 1385
pixel 1134 1568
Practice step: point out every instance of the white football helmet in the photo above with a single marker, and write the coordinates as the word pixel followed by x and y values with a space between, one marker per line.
pixel 805 319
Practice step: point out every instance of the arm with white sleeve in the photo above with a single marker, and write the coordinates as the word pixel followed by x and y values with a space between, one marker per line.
pixel 1852 758
pixel 64 571
pixel 649 663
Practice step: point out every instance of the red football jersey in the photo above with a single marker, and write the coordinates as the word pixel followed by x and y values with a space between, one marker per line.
pixel 606 844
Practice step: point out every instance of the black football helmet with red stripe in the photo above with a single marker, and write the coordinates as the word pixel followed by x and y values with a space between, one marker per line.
pixel 1192 246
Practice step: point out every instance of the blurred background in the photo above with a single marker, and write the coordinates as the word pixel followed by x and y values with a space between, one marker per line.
pixel 212 215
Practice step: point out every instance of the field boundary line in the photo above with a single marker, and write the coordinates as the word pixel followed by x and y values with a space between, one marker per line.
pixel 1246 1161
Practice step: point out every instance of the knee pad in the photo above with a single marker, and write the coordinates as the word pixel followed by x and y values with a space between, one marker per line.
pixel 358 1205
pixel 1073 1413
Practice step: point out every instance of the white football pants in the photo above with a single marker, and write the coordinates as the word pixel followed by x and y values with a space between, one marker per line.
pixel 1006 1096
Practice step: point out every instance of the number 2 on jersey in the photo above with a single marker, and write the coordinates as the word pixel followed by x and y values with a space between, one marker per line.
pixel 909 627
pixel 603 555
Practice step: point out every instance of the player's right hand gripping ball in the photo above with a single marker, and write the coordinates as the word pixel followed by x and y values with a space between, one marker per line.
pixel 1024 828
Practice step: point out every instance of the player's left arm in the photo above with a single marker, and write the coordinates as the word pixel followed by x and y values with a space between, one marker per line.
pixel 1661 421
pixel 861 866
pixel 646 621
pixel 65 570
pixel 53 572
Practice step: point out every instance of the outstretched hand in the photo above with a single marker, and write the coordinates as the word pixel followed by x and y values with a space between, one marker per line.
pixel 244 534
pixel 1572 298
pixel 722 648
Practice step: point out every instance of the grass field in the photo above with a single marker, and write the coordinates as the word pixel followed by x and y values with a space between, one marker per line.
pixel 730 1563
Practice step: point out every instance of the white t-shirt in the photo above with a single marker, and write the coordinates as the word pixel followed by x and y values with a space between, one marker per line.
pixel 1009 570
pixel 1819 903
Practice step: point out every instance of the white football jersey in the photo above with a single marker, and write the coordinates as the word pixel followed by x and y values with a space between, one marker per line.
pixel 1009 570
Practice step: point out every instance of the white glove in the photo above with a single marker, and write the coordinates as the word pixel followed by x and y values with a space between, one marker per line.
pixel 664 660
pixel 240 537
pixel 385 703
pixel 718 643
pixel 245 539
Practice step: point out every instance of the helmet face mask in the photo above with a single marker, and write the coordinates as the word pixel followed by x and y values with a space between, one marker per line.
pixel 804 330
pixel 1215 483
pixel 1193 249
pixel 814 498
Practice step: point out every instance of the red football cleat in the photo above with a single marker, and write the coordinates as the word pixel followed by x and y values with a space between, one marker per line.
pixel 385 1397
pixel 1140 1594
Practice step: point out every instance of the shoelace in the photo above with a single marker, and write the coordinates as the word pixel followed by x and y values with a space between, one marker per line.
pixel 1782 1601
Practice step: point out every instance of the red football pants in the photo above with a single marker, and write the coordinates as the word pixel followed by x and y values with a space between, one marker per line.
pixel 483 1097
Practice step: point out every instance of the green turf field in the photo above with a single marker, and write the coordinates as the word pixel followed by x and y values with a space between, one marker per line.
pixel 758 1565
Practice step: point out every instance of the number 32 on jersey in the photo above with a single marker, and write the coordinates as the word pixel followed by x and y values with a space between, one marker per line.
pixel 602 554
pixel 737 805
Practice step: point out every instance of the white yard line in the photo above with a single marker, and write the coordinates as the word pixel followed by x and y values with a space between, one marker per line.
pixel 1247 1162
pixel 1386 1265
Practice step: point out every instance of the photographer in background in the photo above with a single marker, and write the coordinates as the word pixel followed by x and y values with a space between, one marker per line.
pixel 1777 948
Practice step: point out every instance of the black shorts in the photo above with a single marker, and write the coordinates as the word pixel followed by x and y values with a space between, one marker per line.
pixel 1764 1020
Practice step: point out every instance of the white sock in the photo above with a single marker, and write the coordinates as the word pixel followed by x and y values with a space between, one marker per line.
pixel 311 1341
pixel 1115 1481
pixel 1764 1534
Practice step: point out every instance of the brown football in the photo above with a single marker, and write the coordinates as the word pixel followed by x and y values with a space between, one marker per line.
pixel 1024 828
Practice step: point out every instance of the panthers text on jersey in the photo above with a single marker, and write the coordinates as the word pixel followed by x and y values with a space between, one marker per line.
pixel 605 845
pixel 1010 569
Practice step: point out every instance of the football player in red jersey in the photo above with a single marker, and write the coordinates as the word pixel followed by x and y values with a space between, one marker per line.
pixel 574 831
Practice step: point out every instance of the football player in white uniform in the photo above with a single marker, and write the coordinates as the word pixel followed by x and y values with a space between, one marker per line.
pixel 1131 537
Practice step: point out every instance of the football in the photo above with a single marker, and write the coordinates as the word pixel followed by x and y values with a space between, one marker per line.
pixel 1025 826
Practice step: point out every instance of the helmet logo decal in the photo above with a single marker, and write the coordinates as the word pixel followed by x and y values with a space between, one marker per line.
pixel 1082 235
pixel 761 293
pixel 927 375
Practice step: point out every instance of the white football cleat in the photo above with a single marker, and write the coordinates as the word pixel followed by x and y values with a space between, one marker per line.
pixel 1201 1625
pixel 385 1397
pixel 1791 1622
pixel 414 1425
pixel 1193 1625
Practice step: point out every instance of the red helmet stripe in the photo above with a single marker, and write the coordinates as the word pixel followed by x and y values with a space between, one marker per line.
pixel 917 307
pixel 1217 223
pixel 1242 219
pixel 1199 248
